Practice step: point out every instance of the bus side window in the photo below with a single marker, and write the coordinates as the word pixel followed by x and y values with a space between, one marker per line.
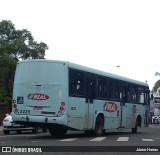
pixel 140 94
pixel 142 98
pixel 147 96
pixel 102 87
pixel 76 83
pixel 132 94
pixel 113 89
pixel 123 97
pixel 116 90
pixel 110 88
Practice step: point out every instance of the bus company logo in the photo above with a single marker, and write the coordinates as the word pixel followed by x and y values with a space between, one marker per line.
pixel 38 97
pixel 111 107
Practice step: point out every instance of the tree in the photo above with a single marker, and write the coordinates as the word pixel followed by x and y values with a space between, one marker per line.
pixel 7 70
pixel 15 45
pixel 156 86
pixel 19 44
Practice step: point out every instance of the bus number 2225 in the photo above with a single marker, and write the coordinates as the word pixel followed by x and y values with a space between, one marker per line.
pixel 24 111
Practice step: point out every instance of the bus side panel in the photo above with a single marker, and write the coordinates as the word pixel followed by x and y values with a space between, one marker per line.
pixel 132 112
pixel 111 118
pixel 140 111
pixel 130 116
pixel 76 113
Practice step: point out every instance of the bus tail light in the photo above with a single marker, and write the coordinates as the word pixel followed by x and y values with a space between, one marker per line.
pixel 14 105
pixel 62 106
pixel 62 103
pixel 14 101
pixel 61 109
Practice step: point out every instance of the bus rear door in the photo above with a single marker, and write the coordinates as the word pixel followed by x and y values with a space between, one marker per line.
pixel 123 108
pixel 90 96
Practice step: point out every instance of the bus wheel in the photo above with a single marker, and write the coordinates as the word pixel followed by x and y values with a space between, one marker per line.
pixel 35 130
pixel 58 132
pixel 89 132
pixel 44 130
pixel 134 130
pixel 99 126
pixel 6 132
pixel 19 131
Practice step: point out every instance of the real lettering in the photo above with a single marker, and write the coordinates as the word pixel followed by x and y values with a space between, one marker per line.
pixel 111 107
pixel 39 97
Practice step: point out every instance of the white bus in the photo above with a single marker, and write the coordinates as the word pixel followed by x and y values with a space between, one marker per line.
pixel 157 105
pixel 62 96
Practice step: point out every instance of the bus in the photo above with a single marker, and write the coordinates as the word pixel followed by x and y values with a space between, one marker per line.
pixel 157 105
pixel 156 108
pixel 60 96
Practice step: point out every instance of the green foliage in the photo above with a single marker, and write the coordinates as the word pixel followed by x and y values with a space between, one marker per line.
pixel 7 70
pixel 15 45
pixel 19 44
pixel 156 85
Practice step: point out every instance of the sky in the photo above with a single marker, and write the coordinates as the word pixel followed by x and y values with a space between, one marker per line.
pixel 100 34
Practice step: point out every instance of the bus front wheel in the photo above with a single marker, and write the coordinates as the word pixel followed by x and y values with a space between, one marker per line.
pixel 134 130
pixel 99 126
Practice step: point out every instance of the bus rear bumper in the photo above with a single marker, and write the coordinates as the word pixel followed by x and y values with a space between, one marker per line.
pixel 41 121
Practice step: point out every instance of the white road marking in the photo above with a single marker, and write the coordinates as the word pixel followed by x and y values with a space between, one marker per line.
pixel 157 138
pixel 122 139
pixel 37 141
pixel 148 140
pixel 68 140
pixel 98 139
pixel 19 135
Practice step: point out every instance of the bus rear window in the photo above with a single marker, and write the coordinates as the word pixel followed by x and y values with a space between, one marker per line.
pixel 43 72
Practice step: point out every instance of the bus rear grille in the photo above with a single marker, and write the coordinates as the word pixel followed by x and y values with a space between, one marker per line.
pixel 46 112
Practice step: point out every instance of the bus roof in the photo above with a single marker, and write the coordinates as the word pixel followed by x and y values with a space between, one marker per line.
pixel 88 69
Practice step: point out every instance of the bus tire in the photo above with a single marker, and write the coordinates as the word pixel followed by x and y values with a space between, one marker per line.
pixel 44 130
pixel 6 132
pixel 35 130
pixel 19 131
pixel 58 132
pixel 89 132
pixel 134 130
pixel 99 126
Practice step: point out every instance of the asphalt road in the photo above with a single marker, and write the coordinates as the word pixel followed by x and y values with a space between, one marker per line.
pixel 122 141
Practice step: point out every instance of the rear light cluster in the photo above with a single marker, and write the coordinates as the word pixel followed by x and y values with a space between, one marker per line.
pixel 14 104
pixel 62 107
